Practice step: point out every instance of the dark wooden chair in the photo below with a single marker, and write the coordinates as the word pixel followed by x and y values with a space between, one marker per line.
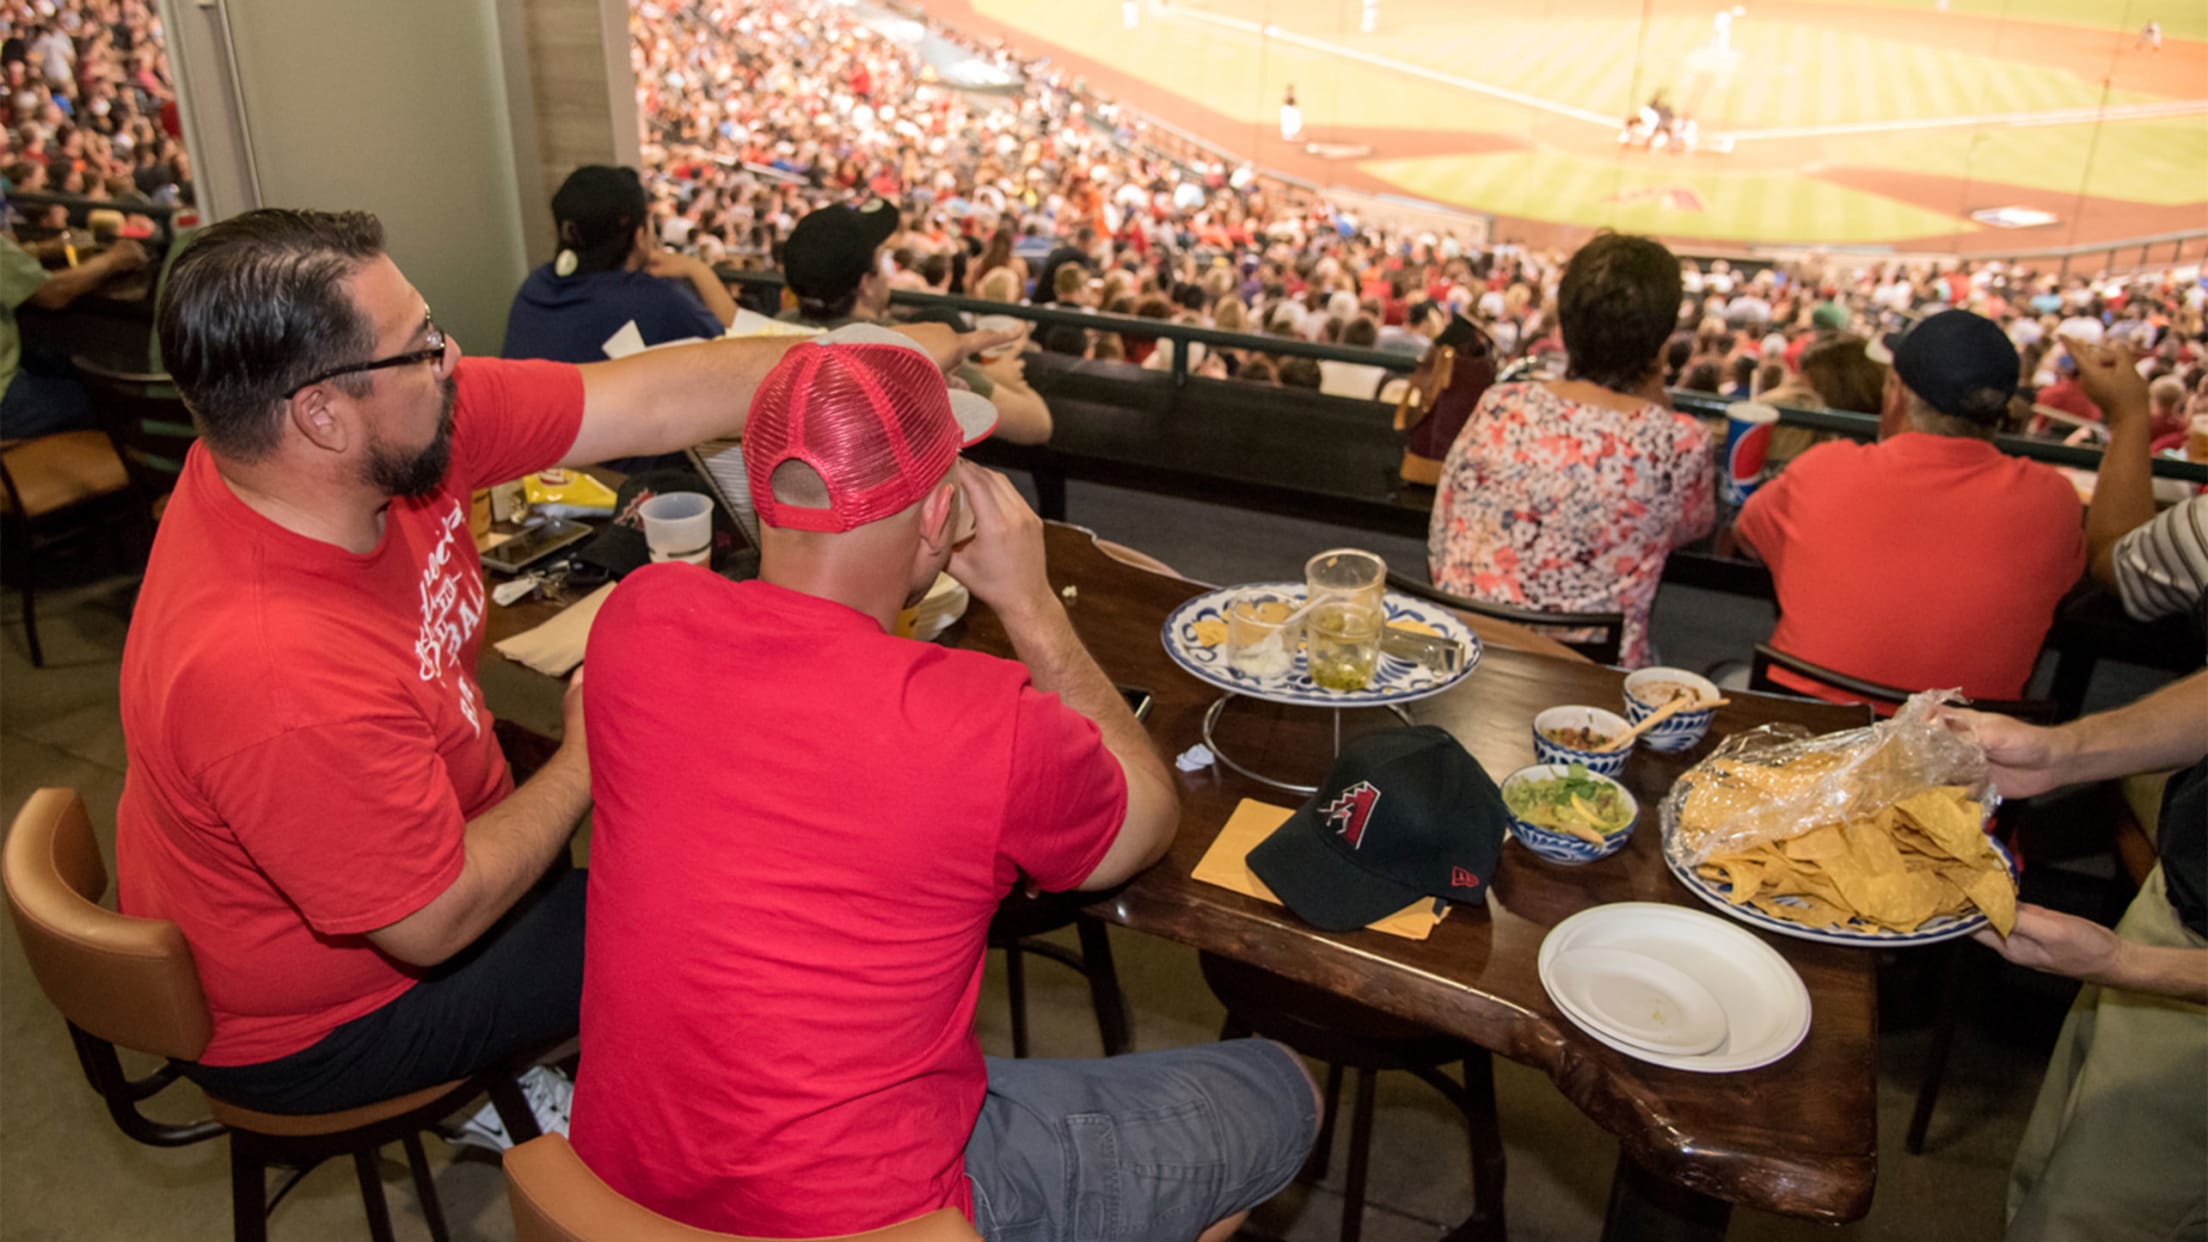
pixel 123 982
pixel 1601 647
pixel 145 417
pixel 46 484
pixel 1877 694
pixel 1348 1035
pixel 1020 923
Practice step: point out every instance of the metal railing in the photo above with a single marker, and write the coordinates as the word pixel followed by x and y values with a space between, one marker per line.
pixel 1701 404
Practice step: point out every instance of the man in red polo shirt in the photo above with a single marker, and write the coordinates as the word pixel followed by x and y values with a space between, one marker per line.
pixel 803 826
pixel 1929 559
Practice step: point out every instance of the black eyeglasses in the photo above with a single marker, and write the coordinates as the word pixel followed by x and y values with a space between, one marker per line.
pixel 432 351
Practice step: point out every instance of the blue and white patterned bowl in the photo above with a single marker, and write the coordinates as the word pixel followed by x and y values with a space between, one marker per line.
pixel 1563 847
pixel 1601 762
pixel 1680 731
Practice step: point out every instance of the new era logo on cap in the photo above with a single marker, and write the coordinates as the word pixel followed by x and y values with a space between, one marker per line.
pixel 1405 814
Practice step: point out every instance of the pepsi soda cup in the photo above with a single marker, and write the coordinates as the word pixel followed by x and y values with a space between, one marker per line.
pixel 1748 427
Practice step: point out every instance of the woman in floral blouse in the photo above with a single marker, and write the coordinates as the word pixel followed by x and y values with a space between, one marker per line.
pixel 1566 495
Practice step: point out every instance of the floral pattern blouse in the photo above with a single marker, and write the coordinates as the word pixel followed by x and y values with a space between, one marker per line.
pixel 1546 503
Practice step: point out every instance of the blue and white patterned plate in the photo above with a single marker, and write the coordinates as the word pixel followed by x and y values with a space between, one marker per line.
pixel 1931 931
pixel 1394 680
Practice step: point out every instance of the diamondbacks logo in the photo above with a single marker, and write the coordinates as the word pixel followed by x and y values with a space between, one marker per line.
pixel 1350 812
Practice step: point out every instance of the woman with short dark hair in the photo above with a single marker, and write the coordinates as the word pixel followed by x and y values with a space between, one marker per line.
pixel 1566 495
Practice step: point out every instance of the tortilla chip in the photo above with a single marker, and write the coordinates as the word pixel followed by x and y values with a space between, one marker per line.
pixel 1745 874
pixel 1995 893
pixel 1408 625
pixel 1808 911
pixel 1949 819
pixel 1825 841
pixel 1210 633
pixel 1871 844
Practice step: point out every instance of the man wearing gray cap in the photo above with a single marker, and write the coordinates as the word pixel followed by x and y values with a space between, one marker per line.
pixel 1931 558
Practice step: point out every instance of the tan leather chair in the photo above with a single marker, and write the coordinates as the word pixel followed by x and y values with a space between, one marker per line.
pixel 556 1198
pixel 42 479
pixel 130 983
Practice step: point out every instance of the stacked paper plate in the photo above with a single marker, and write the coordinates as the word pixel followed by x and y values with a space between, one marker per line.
pixel 1675 987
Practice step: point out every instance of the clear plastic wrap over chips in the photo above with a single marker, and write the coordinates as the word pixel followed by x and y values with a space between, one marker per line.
pixel 1777 782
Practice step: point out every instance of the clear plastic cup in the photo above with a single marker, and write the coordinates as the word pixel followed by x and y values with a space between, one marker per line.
pixel 1349 574
pixel 1259 642
pixel 1341 639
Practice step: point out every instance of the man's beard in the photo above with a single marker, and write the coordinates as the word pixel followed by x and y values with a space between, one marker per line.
pixel 413 476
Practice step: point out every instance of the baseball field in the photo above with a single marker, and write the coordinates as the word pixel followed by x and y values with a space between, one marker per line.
pixel 1979 126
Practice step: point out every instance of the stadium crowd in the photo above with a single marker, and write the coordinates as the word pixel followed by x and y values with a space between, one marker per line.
pixel 376 907
pixel 90 104
pixel 761 110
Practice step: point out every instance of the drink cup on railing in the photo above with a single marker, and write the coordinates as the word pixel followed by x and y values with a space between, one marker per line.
pixel 1000 323
pixel 2196 439
pixel 1748 426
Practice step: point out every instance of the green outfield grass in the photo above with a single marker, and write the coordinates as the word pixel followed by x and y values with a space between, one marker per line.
pixel 2159 162
pixel 1784 72
pixel 1763 207
pixel 2181 19
pixel 1232 74
pixel 1789 73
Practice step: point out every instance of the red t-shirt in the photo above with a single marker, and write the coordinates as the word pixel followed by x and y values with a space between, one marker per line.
pixel 802 827
pixel 2068 395
pixel 306 741
pixel 1921 562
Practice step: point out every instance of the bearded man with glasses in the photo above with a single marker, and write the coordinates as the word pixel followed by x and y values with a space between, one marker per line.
pixel 315 795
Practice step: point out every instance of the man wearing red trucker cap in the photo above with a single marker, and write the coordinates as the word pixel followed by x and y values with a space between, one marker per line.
pixel 803 827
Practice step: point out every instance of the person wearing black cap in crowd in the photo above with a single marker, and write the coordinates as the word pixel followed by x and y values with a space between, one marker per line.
pixel 1931 558
pixel 609 273
pixel 837 265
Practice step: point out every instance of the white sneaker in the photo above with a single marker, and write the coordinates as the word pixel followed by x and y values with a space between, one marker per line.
pixel 549 1092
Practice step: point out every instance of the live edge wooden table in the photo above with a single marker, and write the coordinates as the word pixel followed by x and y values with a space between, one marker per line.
pixel 1798 1137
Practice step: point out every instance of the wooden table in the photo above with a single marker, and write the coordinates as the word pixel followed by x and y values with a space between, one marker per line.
pixel 1798 1137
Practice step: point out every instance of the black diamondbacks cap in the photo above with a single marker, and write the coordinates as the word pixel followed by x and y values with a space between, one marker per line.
pixel 1405 814
pixel 1962 364
pixel 832 248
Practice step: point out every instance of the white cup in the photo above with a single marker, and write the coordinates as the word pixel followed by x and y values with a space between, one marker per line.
pixel 1000 323
pixel 678 526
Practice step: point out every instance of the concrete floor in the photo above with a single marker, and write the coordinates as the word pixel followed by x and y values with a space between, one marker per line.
pixel 67 1173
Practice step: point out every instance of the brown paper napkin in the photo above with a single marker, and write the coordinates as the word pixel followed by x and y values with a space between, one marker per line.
pixel 556 647
pixel 1226 864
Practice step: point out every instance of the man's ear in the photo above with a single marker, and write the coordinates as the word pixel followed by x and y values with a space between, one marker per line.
pixel 316 417
pixel 1893 413
pixel 936 514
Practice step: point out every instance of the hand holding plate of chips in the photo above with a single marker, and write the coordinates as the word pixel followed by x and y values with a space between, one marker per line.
pixel 1872 836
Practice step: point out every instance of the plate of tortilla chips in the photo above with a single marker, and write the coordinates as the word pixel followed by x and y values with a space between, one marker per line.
pixel 1920 870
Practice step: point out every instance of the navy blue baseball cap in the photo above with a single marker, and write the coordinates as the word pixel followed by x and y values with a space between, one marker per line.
pixel 1961 364
pixel 1404 814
